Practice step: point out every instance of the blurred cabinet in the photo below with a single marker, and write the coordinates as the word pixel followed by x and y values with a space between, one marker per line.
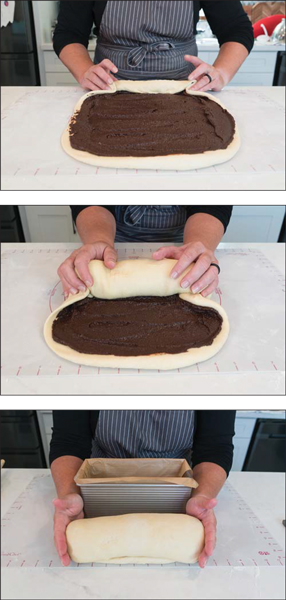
pixel 56 73
pixel 243 431
pixel 48 224
pixel 258 69
pixel 255 224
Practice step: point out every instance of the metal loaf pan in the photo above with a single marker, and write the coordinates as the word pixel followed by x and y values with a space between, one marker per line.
pixel 122 498
pixel 121 486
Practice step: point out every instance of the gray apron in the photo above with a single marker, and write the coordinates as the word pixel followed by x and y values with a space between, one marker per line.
pixel 144 434
pixel 150 223
pixel 148 40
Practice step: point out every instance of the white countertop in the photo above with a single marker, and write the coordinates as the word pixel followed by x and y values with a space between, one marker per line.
pixel 251 362
pixel 264 494
pixel 33 120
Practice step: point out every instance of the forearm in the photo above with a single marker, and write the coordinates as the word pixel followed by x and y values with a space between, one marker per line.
pixel 96 224
pixel 230 58
pixel 63 470
pixel 76 58
pixel 210 477
pixel 204 228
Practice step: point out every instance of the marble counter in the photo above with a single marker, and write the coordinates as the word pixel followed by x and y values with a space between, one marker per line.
pixel 263 492
pixel 34 119
pixel 36 370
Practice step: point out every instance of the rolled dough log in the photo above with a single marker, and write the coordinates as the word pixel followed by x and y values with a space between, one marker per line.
pixel 180 162
pixel 130 278
pixel 136 538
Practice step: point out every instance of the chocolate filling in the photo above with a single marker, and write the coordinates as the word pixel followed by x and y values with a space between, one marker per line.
pixel 136 326
pixel 126 124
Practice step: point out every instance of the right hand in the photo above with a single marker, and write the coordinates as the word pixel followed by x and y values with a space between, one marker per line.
pixel 201 507
pixel 99 77
pixel 79 259
pixel 67 509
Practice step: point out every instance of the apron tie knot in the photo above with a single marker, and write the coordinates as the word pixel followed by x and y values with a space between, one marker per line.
pixel 134 214
pixel 137 55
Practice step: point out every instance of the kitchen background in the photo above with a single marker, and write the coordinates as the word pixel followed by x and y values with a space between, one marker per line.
pixel 27 56
pixel 259 442
pixel 252 224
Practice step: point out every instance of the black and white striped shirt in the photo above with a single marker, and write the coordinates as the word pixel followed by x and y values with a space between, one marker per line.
pixel 206 433
pixel 154 223
pixel 77 18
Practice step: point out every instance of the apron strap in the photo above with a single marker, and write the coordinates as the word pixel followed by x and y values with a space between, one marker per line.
pixel 137 55
pixel 134 214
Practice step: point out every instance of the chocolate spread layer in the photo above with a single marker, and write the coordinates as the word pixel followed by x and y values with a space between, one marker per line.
pixel 136 326
pixel 127 124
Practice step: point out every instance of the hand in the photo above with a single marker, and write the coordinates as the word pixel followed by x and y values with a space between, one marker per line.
pixel 79 259
pixel 67 509
pixel 202 278
pixel 203 84
pixel 99 77
pixel 201 507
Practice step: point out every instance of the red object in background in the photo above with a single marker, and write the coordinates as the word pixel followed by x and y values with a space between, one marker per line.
pixel 269 22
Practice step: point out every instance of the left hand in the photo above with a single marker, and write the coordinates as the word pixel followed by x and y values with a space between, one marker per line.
pixel 202 277
pixel 203 84
pixel 202 507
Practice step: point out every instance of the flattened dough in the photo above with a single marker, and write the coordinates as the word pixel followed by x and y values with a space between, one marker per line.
pixel 136 538
pixel 134 278
pixel 179 162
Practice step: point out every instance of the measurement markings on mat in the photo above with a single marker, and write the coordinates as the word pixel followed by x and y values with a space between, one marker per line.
pixel 234 362
pixel 243 540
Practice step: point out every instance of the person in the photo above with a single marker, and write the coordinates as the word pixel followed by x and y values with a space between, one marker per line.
pixel 151 40
pixel 203 438
pixel 197 229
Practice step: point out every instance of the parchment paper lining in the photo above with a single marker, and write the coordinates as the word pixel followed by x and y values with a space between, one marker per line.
pixel 136 470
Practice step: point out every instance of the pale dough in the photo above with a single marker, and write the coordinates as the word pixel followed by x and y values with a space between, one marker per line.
pixel 136 538
pixel 142 277
pixel 179 162
pixel 139 277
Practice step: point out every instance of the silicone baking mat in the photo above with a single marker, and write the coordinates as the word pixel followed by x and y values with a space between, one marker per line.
pixel 27 532
pixel 33 117
pixel 252 291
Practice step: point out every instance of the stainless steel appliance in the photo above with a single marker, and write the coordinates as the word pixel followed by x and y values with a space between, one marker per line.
pixel 19 60
pixel 21 444
pixel 10 224
pixel 266 451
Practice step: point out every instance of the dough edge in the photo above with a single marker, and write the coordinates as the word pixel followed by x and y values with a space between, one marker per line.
pixel 80 532
pixel 178 162
pixel 162 361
